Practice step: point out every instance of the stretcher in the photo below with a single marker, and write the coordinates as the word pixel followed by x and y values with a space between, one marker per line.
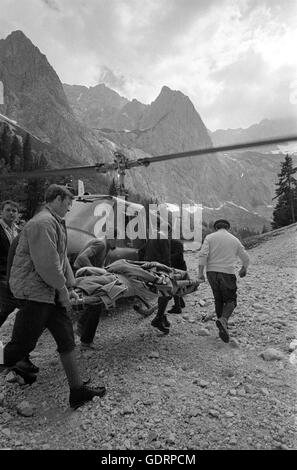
pixel 144 308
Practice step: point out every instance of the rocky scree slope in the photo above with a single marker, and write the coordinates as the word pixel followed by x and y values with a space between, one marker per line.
pixel 187 390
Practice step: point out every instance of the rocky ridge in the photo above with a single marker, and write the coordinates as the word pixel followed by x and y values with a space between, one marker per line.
pixel 95 106
pixel 169 124
pixel 265 129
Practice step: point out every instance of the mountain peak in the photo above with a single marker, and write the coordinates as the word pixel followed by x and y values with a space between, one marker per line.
pixel 135 101
pixel 27 77
pixel 168 95
pixel 17 34
pixel 100 86
pixel 166 89
pixel 17 44
pixel 18 37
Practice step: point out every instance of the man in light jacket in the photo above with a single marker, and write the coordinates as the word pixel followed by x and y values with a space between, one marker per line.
pixel 218 255
pixel 40 278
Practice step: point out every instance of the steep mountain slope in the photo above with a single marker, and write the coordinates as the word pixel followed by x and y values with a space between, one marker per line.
pixel 236 187
pixel 34 97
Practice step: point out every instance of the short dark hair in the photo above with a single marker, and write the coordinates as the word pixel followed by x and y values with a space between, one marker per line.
pixel 55 190
pixel 11 203
pixel 221 223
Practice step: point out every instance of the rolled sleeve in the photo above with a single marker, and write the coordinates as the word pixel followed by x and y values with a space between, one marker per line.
pixel 83 259
pixel 242 254
pixel 204 252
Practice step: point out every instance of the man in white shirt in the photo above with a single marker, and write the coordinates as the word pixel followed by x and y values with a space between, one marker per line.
pixel 218 255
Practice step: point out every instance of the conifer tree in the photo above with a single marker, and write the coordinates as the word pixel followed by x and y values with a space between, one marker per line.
pixel 35 188
pixel 5 144
pixel 27 154
pixel 16 154
pixel 285 211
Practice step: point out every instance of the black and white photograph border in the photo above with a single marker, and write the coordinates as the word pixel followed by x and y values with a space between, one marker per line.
pixel 110 109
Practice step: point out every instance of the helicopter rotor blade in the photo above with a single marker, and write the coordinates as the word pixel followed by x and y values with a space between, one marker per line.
pixel 106 167
pixel 79 170
pixel 210 150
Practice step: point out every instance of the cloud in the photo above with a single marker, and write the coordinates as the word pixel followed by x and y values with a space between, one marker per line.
pixel 112 79
pixel 250 92
pixel 51 4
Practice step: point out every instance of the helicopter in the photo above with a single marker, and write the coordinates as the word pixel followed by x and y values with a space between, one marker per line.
pixel 88 210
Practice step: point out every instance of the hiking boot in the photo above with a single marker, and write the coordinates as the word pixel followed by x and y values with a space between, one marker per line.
pixel 80 396
pixel 165 321
pixel 159 323
pixel 222 325
pixel 31 367
pixel 174 309
pixel 24 370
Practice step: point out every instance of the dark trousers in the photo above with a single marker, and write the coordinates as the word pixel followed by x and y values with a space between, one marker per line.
pixel 88 323
pixel 30 322
pixel 179 301
pixel 224 289
pixel 162 304
pixel 7 302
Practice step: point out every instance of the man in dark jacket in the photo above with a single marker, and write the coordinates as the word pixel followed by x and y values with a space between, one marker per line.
pixel 8 303
pixel 159 250
pixel 8 231
pixel 40 278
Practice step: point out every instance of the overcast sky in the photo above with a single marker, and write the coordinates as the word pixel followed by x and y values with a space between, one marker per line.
pixel 235 59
